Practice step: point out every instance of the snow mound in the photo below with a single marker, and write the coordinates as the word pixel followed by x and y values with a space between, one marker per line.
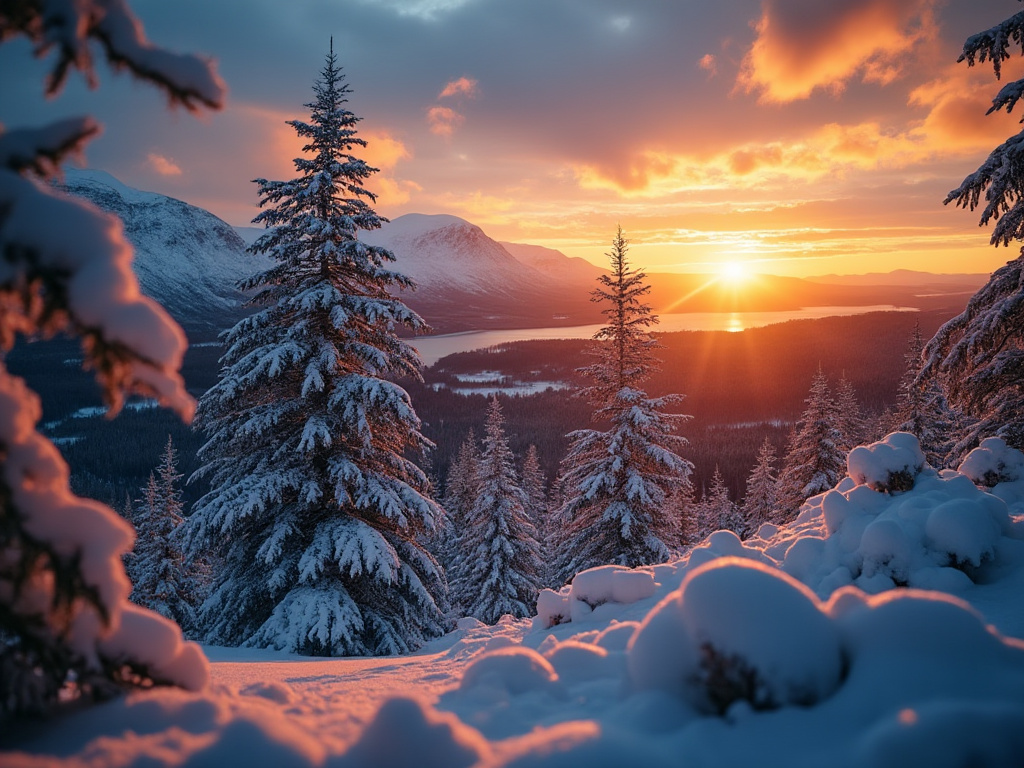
pixel 993 462
pixel 889 466
pixel 512 670
pixel 937 537
pixel 591 589
pixel 737 630
pixel 406 732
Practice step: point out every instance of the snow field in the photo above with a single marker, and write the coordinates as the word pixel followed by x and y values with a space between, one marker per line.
pixel 793 648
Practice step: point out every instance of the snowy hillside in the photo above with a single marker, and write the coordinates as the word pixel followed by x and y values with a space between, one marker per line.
pixel 555 264
pixel 185 257
pixel 443 253
pixel 798 647
pixel 466 280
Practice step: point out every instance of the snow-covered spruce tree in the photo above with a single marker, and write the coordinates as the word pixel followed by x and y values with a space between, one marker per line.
pixel 762 489
pixel 460 494
pixel 619 482
pixel 851 422
pixel 722 511
pixel 533 487
pixel 66 625
pixel 815 462
pixel 161 578
pixel 315 509
pixel 500 573
pixel 978 356
pixel 921 407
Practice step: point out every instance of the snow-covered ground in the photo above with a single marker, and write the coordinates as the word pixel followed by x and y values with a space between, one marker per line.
pixel 814 644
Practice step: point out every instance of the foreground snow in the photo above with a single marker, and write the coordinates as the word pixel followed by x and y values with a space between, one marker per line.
pixel 792 649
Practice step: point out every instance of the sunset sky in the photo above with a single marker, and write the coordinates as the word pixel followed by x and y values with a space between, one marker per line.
pixel 802 136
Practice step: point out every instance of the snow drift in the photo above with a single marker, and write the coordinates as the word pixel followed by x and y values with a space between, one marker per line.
pixel 797 647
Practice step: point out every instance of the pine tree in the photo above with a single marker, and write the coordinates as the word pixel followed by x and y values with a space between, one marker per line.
pixel 815 461
pixel 705 517
pixel 533 486
pixel 722 512
pixel 618 481
pixel 161 577
pixel 762 489
pixel 978 356
pixel 850 421
pixel 921 407
pixel 316 509
pixel 65 267
pixel 501 571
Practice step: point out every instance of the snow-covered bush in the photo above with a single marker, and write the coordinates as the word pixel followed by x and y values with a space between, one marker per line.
pixel 993 462
pixel 591 589
pixel 929 538
pixel 889 466
pixel 735 631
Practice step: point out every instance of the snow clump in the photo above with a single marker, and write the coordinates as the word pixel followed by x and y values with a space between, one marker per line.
pixel 591 589
pixel 889 466
pixel 737 630
pixel 993 462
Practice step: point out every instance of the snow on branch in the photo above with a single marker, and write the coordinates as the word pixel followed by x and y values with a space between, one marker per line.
pixel 70 27
pixel 993 44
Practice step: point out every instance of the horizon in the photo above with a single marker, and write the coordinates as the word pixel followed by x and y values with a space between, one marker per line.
pixel 734 150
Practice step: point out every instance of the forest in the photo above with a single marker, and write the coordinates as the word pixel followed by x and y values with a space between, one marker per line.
pixel 739 389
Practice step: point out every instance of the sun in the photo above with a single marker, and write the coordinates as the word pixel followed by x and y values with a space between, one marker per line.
pixel 734 271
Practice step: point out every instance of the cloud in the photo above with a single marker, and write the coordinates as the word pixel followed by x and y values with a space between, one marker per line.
pixel 806 45
pixel 165 166
pixel 444 121
pixel 709 64
pixel 464 86
pixel 383 150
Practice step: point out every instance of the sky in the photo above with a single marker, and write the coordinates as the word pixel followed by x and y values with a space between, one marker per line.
pixel 798 137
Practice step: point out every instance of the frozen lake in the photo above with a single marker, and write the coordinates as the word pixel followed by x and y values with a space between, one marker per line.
pixel 433 348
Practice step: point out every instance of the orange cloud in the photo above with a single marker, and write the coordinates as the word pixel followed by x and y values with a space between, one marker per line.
pixel 709 64
pixel 383 150
pixel 444 121
pixel 957 102
pixel 464 86
pixel 165 166
pixel 804 45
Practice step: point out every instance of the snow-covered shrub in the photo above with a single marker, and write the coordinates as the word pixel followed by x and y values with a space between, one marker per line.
pixel 591 589
pixel 889 466
pixel 993 462
pixel 918 539
pixel 737 630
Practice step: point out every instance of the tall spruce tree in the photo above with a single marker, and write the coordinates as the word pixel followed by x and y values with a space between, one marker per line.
pixel 500 573
pixel 315 506
pixel 978 356
pixel 921 407
pixel 815 461
pixel 762 489
pixel 617 481
pixel 850 417
pixel 722 512
pixel 161 577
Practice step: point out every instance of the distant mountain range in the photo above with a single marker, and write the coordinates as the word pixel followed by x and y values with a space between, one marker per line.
pixel 190 261
pixel 185 257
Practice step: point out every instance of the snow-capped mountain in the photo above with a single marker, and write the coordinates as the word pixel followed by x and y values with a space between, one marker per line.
pixel 555 264
pixel 442 252
pixel 467 280
pixel 185 257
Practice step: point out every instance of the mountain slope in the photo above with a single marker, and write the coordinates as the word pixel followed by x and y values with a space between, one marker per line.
pixel 466 280
pixel 185 257
pixel 555 264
